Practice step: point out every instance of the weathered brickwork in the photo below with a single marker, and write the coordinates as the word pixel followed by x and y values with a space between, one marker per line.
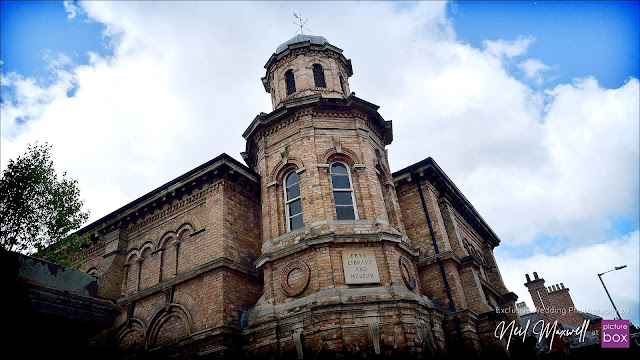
pixel 176 260
pixel 210 264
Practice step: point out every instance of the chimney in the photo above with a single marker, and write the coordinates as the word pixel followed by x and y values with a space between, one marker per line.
pixel 566 310
pixel 541 299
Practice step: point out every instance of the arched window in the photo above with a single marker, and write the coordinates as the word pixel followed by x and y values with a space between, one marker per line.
pixel 290 81
pixel 318 76
pixel 343 192
pixel 293 204
pixel 344 89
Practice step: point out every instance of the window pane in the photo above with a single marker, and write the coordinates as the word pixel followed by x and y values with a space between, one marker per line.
pixel 340 182
pixel 295 207
pixel 296 222
pixel 342 197
pixel 292 179
pixel 337 168
pixel 345 213
pixel 293 192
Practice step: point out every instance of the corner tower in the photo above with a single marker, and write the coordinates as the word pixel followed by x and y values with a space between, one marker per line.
pixel 339 273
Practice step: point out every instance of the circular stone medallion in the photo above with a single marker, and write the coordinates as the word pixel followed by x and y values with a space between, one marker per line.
pixel 407 274
pixel 295 278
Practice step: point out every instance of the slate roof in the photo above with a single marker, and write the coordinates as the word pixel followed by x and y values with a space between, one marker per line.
pixel 315 40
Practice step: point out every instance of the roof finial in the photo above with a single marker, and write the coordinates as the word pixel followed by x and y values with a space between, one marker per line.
pixel 301 24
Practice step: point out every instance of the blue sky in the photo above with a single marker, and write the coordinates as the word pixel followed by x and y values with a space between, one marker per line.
pixel 30 27
pixel 598 38
pixel 530 107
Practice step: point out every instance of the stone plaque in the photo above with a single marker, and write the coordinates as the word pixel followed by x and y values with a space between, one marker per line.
pixel 360 267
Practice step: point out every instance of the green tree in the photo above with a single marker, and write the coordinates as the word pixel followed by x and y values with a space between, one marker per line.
pixel 40 213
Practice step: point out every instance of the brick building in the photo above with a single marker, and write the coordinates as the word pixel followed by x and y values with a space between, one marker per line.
pixel 314 248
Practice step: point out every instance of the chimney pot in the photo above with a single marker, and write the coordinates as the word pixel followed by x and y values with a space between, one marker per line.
pixel 528 278
pixel 535 275
pixel 562 285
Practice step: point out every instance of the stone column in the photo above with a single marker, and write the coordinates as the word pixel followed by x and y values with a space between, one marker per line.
pixel 176 243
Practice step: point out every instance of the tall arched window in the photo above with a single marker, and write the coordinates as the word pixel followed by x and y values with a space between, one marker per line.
pixel 318 76
pixel 343 192
pixel 290 81
pixel 293 204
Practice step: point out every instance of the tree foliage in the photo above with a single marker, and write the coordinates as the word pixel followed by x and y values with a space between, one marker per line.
pixel 40 212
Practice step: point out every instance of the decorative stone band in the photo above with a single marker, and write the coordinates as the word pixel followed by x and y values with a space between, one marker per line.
pixel 444 255
pixel 189 275
pixel 305 243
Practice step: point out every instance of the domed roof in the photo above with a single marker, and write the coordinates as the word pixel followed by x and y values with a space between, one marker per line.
pixel 315 40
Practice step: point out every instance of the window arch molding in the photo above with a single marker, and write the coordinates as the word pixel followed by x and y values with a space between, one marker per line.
pixel 344 199
pixel 323 62
pixel 282 169
pixel 346 155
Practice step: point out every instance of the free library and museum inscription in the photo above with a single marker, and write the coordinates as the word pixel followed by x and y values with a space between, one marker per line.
pixel 360 267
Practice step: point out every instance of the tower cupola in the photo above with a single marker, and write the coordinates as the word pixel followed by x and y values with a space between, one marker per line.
pixel 306 65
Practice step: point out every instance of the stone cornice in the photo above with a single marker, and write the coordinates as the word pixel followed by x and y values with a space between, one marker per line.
pixel 332 298
pixel 305 243
pixel 491 288
pixel 443 255
pixel 291 107
pixel 472 261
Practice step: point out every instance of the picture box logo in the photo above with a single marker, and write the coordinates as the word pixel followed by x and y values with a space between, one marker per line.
pixel 615 334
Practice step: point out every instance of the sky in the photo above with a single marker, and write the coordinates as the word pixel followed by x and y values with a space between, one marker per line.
pixel 531 108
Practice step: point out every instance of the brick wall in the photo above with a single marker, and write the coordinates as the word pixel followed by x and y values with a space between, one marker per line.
pixel 562 300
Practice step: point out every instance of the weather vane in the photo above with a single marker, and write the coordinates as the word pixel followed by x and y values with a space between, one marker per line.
pixel 301 24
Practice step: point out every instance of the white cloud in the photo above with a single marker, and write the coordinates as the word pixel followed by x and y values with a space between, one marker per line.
pixel 71 9
pixel 578 270
pixel 56 61
pixel 533 68
pixel 585 174
pixel 509 49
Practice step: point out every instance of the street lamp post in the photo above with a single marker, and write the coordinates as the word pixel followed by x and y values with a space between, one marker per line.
pixel 607 291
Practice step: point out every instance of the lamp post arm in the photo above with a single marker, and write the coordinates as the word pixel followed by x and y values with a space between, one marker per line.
pixel 607 291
